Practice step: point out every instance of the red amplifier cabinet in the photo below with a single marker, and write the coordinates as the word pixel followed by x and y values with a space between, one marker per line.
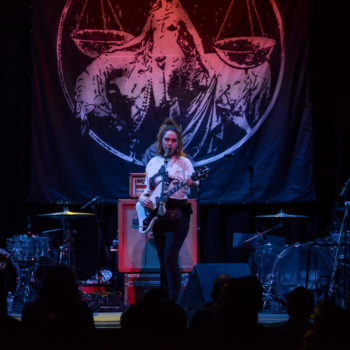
pixel 137 252
pixel 136 184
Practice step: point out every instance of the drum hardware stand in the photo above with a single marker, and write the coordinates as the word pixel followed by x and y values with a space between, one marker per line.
pixel 335 272
pixel 99 299
pixel 26 291
pixel 67 248
pixel 260 237
pixel 49 231
pixel 26 277
pixel 267 286
pixel 317 287
pixel 117 276
pixel 99 247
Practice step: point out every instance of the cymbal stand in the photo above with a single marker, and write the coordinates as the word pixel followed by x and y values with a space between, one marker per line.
pixel 101 246
pixel 66 249
pixel 336 271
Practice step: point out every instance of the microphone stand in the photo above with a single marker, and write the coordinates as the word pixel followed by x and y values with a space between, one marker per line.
pixel 164 178
pixel 99 253
pixel 160 214
pixel 335 271
pixel 99 247
pixel 198 209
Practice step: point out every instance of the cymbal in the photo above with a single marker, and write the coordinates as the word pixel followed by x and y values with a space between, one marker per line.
pixel 66 214
pixel 281 214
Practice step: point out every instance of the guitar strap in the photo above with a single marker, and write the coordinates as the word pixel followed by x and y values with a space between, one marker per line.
pixel 163 173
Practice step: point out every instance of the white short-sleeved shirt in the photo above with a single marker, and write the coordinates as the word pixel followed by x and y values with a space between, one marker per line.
pixel 179 169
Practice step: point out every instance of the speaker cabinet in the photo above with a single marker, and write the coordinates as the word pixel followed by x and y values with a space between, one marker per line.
pixel 137 252
pixel 201 280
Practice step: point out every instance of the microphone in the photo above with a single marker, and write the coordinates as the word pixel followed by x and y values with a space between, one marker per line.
pixel 166 153
pixel 29 226
pixel 342 193
pixel 90 202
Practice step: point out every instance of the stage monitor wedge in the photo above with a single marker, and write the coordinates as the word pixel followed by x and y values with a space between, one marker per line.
pixel 200 283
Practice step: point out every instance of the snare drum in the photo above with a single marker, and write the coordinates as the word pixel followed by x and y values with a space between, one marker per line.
pixel 308 265
pixel 10 271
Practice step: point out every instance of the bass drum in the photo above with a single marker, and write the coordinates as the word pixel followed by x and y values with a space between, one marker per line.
pixel 308 265
pixel 10 271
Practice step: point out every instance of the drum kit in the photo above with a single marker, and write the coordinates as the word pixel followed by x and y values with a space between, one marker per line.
pixel 26 252
pixel 281 268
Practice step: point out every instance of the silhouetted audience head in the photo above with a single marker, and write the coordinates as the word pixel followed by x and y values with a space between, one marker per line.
pixel 330 327
pixel 156 321
pixel 59 285
pixel 243 296
pixel 3 294
pixel 219 283
pixel 155 295
pixel 347 301
pixel 300 304
pixel 9 326
pixel 59 312
pixel 329 316
pixel 163 315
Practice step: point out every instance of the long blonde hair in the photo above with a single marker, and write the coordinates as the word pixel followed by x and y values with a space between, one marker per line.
pixel 170 125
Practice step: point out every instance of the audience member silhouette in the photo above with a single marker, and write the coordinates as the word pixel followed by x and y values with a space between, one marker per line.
pixel 154 322
pixel 203 322
pixel 59 314
pixel 202 319
pixel 300 307
pixel 238 306
pixel 347 301
pixel 330 328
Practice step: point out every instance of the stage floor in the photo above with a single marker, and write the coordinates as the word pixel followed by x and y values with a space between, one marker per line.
pixel 112 319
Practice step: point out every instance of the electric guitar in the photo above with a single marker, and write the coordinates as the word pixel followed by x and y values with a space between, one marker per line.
pixel 147 216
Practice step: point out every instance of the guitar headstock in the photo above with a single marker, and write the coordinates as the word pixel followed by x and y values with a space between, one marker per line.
pixel 200 173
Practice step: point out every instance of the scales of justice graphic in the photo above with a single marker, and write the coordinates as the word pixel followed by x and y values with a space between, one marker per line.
pixel 133 82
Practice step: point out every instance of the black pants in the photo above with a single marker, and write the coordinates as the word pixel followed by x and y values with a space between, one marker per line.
pixel 169 235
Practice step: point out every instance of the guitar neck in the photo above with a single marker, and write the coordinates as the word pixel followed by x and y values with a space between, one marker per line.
pixel 194 177
pixel 174 189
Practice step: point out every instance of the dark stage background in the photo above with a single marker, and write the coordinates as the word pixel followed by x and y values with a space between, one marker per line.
pixel 329 80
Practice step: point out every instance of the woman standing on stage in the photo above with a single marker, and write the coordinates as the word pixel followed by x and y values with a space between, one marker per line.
pixel 172 167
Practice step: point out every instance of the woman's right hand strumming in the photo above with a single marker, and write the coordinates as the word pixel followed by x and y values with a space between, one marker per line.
pixel 146 202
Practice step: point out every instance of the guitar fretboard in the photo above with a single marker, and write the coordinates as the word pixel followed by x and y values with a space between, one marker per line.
pixel 194 177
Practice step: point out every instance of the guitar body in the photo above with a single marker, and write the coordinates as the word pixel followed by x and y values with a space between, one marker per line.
pixel 147 217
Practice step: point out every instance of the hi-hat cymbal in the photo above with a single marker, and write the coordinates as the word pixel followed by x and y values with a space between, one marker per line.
pixel 66 214
pixel 281 214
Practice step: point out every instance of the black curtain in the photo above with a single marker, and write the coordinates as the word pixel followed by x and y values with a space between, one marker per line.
pixel 329 77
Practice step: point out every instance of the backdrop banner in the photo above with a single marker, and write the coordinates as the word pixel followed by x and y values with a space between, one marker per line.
pixel 232 74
